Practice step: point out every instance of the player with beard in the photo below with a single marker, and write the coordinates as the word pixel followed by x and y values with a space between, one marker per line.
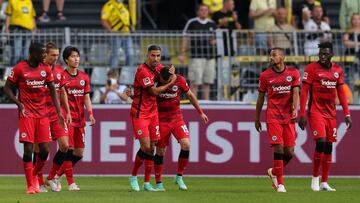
pixel 281 84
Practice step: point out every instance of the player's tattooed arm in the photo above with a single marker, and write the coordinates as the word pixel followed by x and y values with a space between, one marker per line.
pixel 8 89
pixel 53 95
pixel 259 105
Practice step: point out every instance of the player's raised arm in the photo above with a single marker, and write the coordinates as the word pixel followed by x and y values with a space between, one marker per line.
pixel 158 90
pixel 193 100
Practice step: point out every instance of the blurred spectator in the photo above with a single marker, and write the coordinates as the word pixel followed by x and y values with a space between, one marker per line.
pixel 44 18
pixel 202 64
pixel 303 13
pixel 263 13
pixel 351 41
pixel 347 9
pixel 113 93
pixel 317 26
pixel 277 38
pixel 214 5
pixel 115 18
pixel 20 21
pixel 227 18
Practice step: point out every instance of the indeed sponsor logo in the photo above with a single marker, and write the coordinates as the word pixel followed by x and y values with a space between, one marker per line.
pixel 281 88
pixel 35 83
pixel 168 95
pixel 76 92
pixel 328 83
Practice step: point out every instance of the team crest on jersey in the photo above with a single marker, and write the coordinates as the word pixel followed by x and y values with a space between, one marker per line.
pixel 23 135
pixel 336 75
pixel 43 73
pixel 11 74
pixel 139 132
pixel 146 81
pixel 274 138
pixel 175 88
pixel 289 78
pixel 315 132
pixel 58 76
pixel 82 82
pixel 305 75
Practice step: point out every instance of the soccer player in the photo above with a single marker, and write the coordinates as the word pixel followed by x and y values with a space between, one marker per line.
pixel 323 79
pixel 58 132
pixel 171 122
pixel 31 77
pixel 144 114
pixel 281 84
pixel 77 86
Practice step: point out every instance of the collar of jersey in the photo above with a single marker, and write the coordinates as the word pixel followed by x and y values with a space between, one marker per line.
pixel 280 71
pixel 202 21
pixel 71 75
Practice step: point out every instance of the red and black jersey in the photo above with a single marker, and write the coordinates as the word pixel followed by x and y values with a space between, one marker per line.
pixel 323 84
pixel 279 89
pixel 31 83
pixel 144 104
pixel 169 102
pixel 76 87
pixel 57 72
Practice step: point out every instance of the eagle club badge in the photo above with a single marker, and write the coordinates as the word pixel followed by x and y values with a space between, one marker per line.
pixel 43 73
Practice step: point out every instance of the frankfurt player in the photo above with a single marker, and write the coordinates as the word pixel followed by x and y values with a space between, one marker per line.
pixel 323 79
pixel 281 83
pixel 171 122
pixel 77 86
pixel 144 114
pixel 31 77
pixel 58 132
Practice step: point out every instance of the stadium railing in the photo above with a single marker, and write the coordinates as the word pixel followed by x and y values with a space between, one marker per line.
pixel 240 55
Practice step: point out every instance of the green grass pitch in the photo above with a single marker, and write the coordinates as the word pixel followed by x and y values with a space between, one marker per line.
pixel 201 189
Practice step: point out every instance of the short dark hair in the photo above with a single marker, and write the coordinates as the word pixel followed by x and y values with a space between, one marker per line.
pixel 67 52
pixel 278 49
pixel 153 47
pixel 324 45
pixel 199 6
pixel 36 47
pixel 164 73
pixel 50 45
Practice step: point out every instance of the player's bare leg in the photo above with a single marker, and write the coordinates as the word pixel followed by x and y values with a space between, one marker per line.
pixel 318 157
pixel 182 162
pixel 63 143
pixel 278 168
pixel 326 163
pixel 158 166
pixel 28 166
